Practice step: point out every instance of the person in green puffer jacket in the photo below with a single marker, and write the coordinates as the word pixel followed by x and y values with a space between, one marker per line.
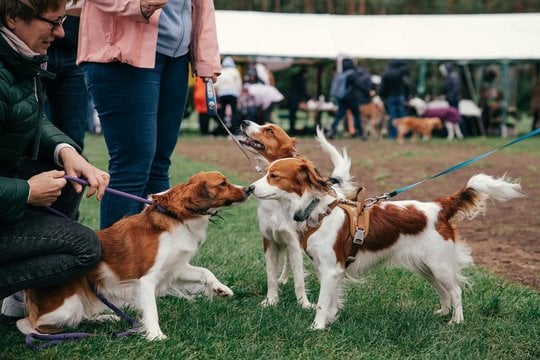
pixel 37 249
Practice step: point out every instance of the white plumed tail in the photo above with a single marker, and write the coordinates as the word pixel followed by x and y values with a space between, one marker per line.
pixel 488 187
pixel 341 162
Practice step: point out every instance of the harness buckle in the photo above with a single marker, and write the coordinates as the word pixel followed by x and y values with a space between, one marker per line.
pixel 359 236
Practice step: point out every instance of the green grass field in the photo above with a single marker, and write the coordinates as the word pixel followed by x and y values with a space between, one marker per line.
pixel 389 315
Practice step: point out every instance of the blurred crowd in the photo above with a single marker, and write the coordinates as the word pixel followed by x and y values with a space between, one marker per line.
pixel 358 103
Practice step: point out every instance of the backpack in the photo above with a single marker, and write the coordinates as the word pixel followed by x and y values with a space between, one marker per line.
pixel 339 88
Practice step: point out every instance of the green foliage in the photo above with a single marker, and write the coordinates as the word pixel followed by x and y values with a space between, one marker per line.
pixel 388 315
pixel 374 7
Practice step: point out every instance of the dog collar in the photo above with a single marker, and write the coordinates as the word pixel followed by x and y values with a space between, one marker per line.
pixel 302 215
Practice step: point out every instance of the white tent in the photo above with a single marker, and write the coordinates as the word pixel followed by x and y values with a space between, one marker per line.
pixel 429 37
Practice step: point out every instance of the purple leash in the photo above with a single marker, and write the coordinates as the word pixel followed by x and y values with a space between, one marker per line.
pixel 111 191
pixel 107 189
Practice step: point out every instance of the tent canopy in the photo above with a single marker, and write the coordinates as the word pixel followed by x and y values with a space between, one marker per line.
pixel 413 37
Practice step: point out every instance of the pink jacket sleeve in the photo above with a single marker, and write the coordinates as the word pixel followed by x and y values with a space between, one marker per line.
pixel 205 59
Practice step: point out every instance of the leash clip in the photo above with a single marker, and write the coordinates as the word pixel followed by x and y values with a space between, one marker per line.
pixel 373 200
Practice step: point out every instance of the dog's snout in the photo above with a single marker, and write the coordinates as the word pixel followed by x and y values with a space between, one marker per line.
pixel 249 189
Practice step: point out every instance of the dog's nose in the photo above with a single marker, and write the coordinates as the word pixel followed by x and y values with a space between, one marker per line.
pixel 249 189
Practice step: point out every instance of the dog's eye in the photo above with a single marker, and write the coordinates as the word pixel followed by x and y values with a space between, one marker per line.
pixel 223 184
pixel 269 130
pixel 273 176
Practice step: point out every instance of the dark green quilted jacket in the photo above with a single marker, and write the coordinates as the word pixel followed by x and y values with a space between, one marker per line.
pixel 23 130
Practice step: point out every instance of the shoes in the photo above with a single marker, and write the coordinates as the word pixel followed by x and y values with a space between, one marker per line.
pixel 13 305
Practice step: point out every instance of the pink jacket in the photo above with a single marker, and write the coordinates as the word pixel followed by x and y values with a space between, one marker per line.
pixel 115 30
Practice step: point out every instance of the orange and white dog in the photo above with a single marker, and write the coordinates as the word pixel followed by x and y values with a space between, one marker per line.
pixel 416 126
pixel 412 234
pixel 270 142
pixel 142 256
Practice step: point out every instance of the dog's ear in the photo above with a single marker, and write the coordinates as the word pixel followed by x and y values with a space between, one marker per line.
pixel 313 177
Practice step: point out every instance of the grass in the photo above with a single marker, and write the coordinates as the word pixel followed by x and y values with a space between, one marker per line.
pixel 387 316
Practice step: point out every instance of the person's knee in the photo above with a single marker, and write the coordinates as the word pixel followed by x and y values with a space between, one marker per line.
pixel 91 249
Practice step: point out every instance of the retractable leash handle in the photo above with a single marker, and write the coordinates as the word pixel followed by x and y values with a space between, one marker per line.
pixel 211 104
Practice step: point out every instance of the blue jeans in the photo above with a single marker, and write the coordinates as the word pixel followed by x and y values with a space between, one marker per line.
pixel 67 96
pixel 141 111
pixel 41 249
pixel 395 107
pixel 343 106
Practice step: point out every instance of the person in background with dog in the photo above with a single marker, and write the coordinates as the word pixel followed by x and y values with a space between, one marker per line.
pixel 67 97
pixel 37 248
pixel 297 93
pixel 394 91
pixel 348 99
pixel 228 88
pixel 136 58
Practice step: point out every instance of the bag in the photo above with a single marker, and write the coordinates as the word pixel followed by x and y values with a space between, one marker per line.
pixel 339 88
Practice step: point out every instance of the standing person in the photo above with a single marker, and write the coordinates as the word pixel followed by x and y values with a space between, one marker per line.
pixel 136 59
pixel 451 85
pixel 394 90
pixel 344 89
pixel 297 93
pixel 229 88
pixel 37 248
pixel 67 96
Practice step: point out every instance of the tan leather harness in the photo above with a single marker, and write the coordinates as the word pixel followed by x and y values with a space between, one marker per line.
pixel 359 217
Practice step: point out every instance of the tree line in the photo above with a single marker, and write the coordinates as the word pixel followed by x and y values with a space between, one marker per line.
pixel 382 7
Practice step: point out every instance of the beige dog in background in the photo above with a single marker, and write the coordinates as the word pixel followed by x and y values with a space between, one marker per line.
pixel 416 126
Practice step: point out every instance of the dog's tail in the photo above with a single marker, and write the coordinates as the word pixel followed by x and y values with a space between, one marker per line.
pixel 471 200
pixel 341 175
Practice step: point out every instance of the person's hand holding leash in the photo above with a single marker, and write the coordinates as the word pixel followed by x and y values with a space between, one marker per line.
pixel 46 187
pixel 75 165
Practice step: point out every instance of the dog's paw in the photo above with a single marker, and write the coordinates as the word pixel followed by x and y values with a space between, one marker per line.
pixel 25 326
pixel 305 304
pixel 269 302
pixel 442 312
pixel 155 336
pixel 105 317
pixel 222 291
pixel 317 326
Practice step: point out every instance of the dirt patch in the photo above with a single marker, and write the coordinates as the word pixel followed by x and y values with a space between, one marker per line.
pixel 504 241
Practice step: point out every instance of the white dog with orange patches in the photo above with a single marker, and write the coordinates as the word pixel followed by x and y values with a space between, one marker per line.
pixel 270 142
pixel 412 234
pixel 143 255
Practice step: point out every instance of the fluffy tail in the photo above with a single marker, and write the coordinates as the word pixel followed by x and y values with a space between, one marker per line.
pixel 341 174
pixel 471 200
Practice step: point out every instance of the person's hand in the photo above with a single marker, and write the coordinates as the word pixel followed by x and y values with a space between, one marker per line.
pixel 148 7
pixel 75 165
pixel 46 187
pixel 213 78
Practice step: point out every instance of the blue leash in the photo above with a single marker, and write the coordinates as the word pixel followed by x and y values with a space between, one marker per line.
pixel 386 196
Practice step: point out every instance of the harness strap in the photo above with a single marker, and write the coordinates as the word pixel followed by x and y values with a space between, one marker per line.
pixel 311 229
pixel 358 218
pixel 360 223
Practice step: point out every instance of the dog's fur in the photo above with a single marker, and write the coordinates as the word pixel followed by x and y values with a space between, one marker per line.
pixel 142 256
pixel 373 118
pixel 270 142
pixel 412 234
pixel 416 126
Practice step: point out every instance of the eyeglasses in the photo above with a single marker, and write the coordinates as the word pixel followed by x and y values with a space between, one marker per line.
pixel 54 24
